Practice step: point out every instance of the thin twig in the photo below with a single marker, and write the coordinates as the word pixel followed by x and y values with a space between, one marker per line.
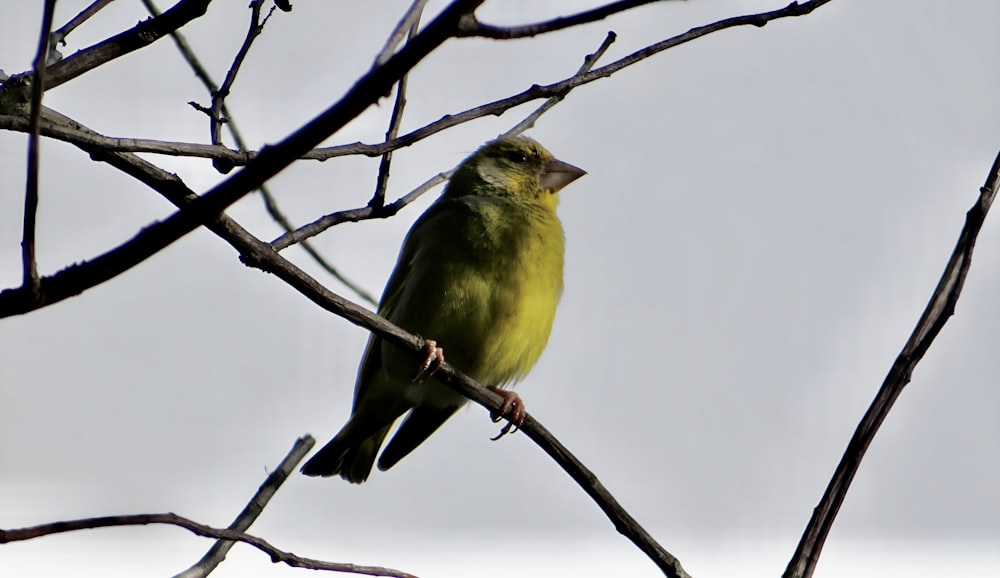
pixel 219 96
pixel 409 22
pixel 171 519
pixel 139 36
pixel 59 36
pixel 30 280
pixel 495 108
pixel 588 62
pixel 217 553
pixel 240 157
pixel 472 27
pixel 382 180
pixel 378 211
pixel 279 217
pixel 207 208
pixel 939 309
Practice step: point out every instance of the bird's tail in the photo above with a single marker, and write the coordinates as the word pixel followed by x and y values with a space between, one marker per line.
pixel 346 456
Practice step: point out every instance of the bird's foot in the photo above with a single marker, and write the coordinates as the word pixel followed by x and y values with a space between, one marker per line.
pixel 512 410
pixel 435 357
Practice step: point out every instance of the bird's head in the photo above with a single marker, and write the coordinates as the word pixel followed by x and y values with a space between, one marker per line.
pixel 516 167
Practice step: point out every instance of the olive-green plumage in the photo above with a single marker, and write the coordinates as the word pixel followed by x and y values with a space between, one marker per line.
pixel 480 272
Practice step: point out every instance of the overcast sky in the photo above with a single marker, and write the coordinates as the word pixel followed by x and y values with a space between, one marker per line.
pixel 766 213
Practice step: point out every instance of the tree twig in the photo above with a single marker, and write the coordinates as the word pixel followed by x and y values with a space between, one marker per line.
pixel 382 180
pixel 939 309
pixel 139 36
pixel 473 27
pixel 219 96
pixel 60 35
pixel 199 529
pixel 240 157
pixel 154 238
pixel 407 25
pixel 379 211
pixel 30 281
pixel 495 108
pixel 217 553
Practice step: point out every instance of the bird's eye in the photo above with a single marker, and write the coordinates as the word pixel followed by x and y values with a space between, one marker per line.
pixel 517 157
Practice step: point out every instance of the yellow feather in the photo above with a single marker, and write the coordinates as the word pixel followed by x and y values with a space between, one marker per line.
pixel 481 273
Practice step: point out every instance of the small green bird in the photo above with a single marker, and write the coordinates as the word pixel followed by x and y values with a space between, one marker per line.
pixel 481 273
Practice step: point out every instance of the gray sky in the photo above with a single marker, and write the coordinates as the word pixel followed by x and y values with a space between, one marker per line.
pixel 765 215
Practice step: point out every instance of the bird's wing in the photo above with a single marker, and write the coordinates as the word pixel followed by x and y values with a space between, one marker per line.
pixel 395 288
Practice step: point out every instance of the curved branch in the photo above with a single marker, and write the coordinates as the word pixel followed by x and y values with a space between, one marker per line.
pixel 217 553
pixel 171 519
pixel 935 315
pixel 473 27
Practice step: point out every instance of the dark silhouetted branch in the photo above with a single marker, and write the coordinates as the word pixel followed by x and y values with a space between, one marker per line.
pixel 217 553
pixel 30 281
pixel 169 518
pixel 152 239
pixel 239 157
pixel 139 36
pixel 472 27
pixel 936 314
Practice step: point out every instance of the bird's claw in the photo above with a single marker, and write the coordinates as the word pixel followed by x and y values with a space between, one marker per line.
pixel 512 409
pixel 435 357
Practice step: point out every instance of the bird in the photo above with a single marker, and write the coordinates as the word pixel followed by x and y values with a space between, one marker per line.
pixel 479 275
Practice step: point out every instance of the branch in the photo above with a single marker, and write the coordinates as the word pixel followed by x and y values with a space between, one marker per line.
pixel 380 211
pixel 84 15
pixel 30 282
pixel 536 92
pixel 473 27
pixel 495 108
pixel 407 25
pixel 232 158
pixel 382 180
pixel 169 518
pixel 939 309
pixel 215 114
pixel 139 36
pixel 77 278
pixel 217 553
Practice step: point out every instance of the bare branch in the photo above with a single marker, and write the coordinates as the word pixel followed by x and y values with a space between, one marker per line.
pixel 472 27
pixel 495 108
pixel 935 315
pixel 139 36
pixel 240 157
pixel 382 180
pixel 84 15
pixel 217 553
pixel 30 281
pixel 171 519
pixel 588 62
pixel 77 278
pixel 535 92
pixel 409 22
pixel 219 96
pixel 379 211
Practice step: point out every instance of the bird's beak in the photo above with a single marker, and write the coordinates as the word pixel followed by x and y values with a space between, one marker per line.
pixel 558 174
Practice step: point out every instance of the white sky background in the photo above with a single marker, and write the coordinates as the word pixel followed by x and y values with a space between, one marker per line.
pixel 766 214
